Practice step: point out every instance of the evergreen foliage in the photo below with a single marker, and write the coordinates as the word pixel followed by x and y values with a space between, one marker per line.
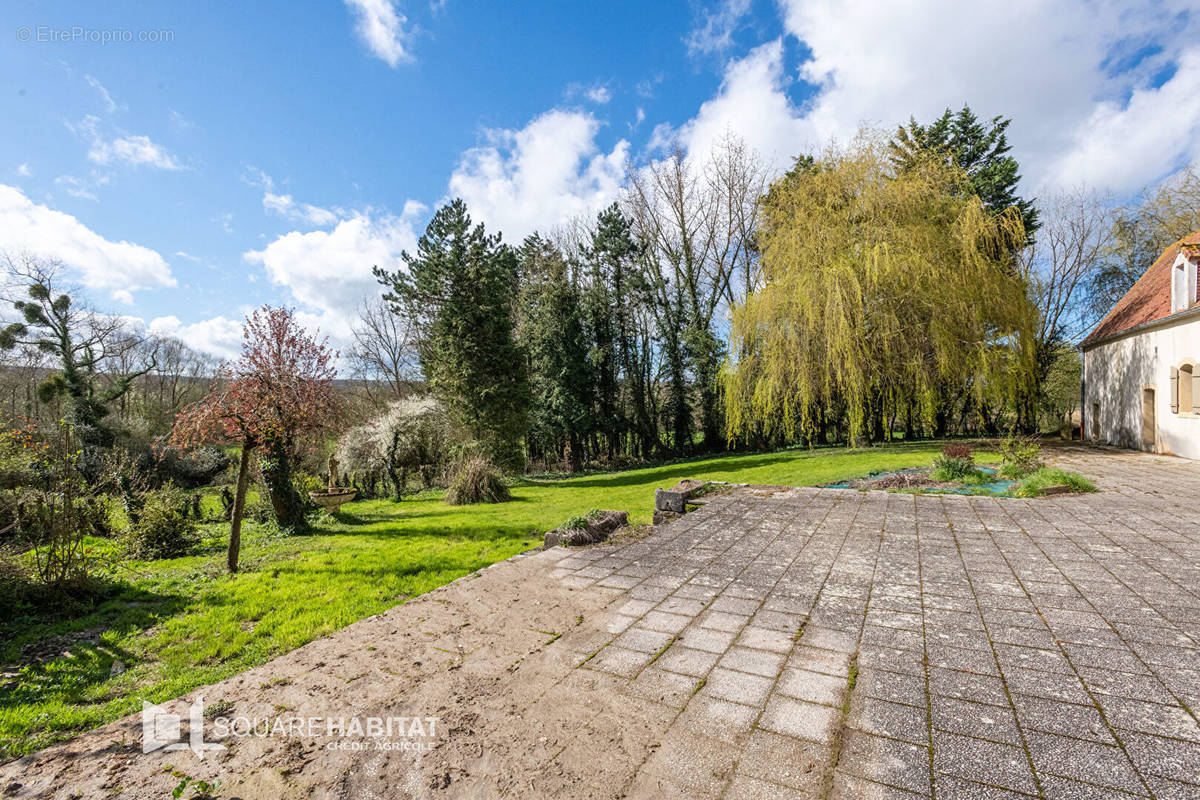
pixel 979 148
pixel 459 288
pixel 562 378
pixel 78 341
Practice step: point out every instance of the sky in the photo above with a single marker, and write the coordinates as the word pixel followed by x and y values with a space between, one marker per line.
pixel 190 161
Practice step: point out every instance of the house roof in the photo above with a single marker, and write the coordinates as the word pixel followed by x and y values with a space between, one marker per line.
pixel 1149 299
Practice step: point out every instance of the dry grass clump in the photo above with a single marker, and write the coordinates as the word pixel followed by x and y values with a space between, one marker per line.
pixel 477 481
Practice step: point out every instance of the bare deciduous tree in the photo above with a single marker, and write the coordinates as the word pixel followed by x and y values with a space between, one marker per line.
pixel 384 350
pixel 696 215
pixel 1075 236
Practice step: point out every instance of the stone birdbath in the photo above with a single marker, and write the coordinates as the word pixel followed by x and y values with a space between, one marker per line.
pixel 332 498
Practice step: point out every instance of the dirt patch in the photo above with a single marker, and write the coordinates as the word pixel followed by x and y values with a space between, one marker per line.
pixel 917 479
pixel 486 655
pixel 53 647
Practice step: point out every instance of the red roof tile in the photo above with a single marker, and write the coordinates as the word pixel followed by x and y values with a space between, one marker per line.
pixel 1150 298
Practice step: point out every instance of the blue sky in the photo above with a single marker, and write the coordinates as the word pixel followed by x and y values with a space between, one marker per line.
pixel 272 153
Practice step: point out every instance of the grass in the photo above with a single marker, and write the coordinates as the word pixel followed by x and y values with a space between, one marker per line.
pixel 1034 484
pixel 184 622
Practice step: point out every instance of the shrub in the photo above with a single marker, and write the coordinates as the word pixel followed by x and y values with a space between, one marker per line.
pixel 958 450
pixel 950 469
pixel 1021 456
pixel 161 464
pixel 306 483
pixel 163 529
pixel 14 585
pixel 258 508
pixel 1036 482
pixel 194 468
pixel 477 481
pixel 413 437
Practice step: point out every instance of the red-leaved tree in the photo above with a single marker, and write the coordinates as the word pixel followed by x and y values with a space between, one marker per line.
pixel 279 390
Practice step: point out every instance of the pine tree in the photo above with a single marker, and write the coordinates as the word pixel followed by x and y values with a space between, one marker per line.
pixel 79 340
pixel 551 333
pixel 979 149
pixel 608 300
pixel 460 287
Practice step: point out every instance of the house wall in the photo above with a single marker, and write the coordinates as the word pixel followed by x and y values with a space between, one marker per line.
pixel 1116 372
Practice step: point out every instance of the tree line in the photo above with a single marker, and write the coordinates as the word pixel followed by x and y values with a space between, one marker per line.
pixel 898 286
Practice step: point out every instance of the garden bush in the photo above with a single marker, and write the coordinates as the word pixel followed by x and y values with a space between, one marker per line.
pixel 163 529
pixel 161 464
pixel 14 585
pixel 958 450
pixel 955 469
pixel 1020 456
pixel 477 481
pixel 413 437
pixel 194 468
pixel 258 507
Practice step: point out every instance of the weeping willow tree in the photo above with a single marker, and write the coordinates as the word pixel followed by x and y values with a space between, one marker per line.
pixel 885 292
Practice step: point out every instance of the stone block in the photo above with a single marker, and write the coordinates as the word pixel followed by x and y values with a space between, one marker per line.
pixel 669 500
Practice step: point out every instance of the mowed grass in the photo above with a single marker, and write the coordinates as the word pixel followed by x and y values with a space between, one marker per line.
pixel 181 623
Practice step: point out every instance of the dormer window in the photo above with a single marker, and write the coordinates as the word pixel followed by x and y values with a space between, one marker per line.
pixel 1183 282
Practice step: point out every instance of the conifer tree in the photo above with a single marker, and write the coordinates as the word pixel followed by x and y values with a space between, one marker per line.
pixel 460 288
pixel 980 149
pixel 551 333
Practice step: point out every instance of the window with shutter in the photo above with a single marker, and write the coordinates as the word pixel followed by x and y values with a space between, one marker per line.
pixel 1174 395
pixel 1195 391
pixel 1187 383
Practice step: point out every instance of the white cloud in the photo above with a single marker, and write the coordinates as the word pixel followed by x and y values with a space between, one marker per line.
pixel 541 175
pixel 381 28
pixel 285 206
pixel 330 271
pixel 645 88
pixel 178 121
pixel 225 221
pixel 134 151
pixel 715 34
pixel 119 267
pixel 218 336
pixel 753 104
pixel 24 171
pixel 638 118
pixel 110 105
pixel 83 188
pixel 1128 145
pixel 1057 69
pixel 599 94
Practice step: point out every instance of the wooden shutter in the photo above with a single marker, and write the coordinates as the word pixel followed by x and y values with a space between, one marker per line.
pixel 1195 390
pixel 1174 390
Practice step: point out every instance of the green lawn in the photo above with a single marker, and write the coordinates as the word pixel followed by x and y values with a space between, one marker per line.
pixel 184 622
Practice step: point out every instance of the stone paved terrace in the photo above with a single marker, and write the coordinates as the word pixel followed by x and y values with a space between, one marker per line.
pixel 798 644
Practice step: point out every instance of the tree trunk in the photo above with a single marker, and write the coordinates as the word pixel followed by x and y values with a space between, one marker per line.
pixel 285 500
pixel 239 504
pixel 573 453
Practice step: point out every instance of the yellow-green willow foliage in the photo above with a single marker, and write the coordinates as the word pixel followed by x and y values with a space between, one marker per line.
pixel 881 293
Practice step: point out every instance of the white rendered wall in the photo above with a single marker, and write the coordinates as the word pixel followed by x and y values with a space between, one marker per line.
pixel 1115 374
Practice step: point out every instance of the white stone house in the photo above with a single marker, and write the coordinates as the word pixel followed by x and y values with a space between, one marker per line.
pixel 1141 364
